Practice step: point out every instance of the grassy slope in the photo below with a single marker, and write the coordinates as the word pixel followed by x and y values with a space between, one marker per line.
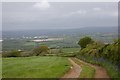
pixel 35 67
pixel 87 71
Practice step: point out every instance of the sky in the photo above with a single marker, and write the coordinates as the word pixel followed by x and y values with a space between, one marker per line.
pixel 58 15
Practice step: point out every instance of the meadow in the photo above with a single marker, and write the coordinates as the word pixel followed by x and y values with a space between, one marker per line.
pixel 35 67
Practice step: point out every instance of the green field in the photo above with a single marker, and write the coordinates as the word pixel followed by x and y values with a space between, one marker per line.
pixel 70 50
pixel 29 44
pixel 35 67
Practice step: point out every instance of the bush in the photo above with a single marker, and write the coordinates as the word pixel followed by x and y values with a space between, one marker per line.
pixel 12 54
pixel 40 50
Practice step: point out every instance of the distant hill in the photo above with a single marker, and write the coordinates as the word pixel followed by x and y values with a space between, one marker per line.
pixel 52 32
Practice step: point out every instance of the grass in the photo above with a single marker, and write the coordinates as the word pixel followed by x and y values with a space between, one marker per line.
pixel 87 71
pixel 35 67
pixel 70 50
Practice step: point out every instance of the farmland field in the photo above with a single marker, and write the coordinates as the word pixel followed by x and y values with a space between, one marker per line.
pixel 70 50
pixel 35 67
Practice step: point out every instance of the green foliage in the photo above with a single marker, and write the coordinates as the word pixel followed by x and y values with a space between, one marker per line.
pixel 111 53
pixel 84 41
pixel 12 54
pixel 103 54
pixel 40 50
pixel 117 41
pixel 97 50
pixel 92 49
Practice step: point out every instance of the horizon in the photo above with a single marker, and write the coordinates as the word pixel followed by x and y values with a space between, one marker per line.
pixel 61 28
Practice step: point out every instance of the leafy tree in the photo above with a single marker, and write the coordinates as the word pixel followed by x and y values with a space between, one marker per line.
pixel 84 42
pixel 39 50
pixel 107 51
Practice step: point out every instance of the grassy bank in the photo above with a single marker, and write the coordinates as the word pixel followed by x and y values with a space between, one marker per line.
pixel 112 70
pixel 35 67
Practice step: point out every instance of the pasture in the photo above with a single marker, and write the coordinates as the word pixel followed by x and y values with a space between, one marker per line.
pixel 70 50
pixel 35 67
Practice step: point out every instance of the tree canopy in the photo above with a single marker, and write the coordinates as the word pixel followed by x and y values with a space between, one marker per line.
pixel 84 42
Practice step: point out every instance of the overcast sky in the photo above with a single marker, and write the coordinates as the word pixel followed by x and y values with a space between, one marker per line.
pixel 58 15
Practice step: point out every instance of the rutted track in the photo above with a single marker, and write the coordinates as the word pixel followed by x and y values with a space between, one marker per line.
pixel 75 70
pixel 100 71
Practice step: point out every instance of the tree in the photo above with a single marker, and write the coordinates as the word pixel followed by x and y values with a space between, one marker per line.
pixel 84 42
pixel 39 50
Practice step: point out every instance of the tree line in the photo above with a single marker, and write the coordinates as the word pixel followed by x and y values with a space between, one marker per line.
pixel 106 55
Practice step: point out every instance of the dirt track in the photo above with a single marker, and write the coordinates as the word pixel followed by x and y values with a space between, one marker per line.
pixel 75 70
pixel 100 71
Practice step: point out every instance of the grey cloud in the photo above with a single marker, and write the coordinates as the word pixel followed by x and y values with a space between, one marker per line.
pixel 56 15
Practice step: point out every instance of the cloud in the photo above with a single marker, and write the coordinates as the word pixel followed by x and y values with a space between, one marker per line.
pixel 79 12
pixel 115 14
pixel 44 15
pixel 109 14
pixel 44 4
pixel 97 9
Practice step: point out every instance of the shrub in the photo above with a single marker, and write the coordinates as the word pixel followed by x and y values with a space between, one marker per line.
pixel 40 50
pixel 12 54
